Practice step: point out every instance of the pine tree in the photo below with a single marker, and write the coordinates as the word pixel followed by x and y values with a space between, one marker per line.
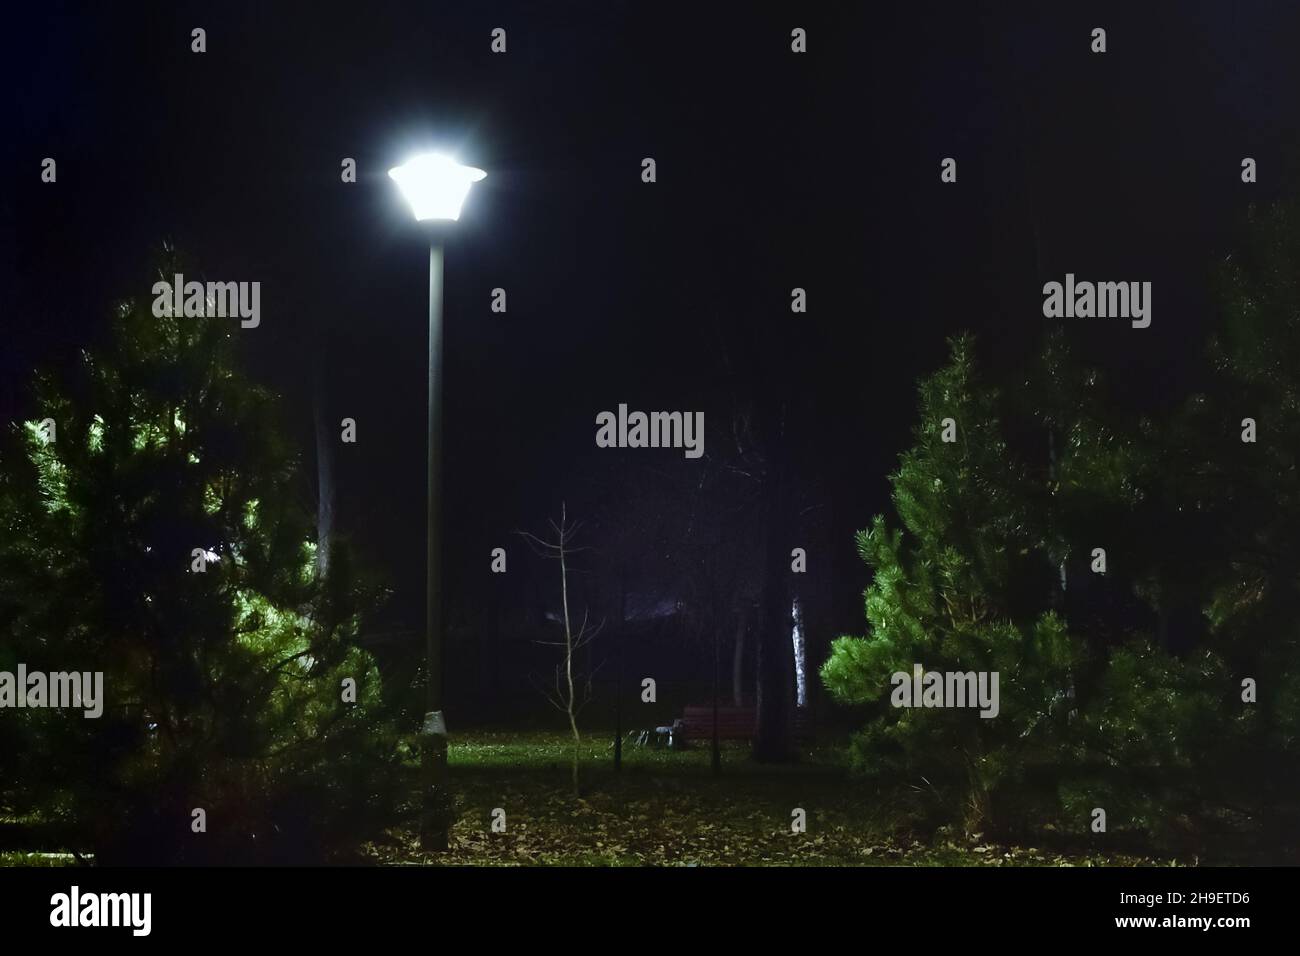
pixel 225 686
pixel 1253 591
pixel 1096 710
pixel 954 589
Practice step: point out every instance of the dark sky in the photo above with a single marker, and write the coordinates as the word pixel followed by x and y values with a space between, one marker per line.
pixel 774 170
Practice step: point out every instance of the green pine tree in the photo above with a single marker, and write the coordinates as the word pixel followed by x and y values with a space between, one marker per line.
pixel 991 569
pixel 959 587
pixel 223 688
pixel 1252 595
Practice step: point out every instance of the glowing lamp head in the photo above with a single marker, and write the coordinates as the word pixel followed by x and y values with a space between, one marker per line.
pixel 435 185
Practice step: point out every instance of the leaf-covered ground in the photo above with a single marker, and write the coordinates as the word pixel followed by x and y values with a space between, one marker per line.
pixel 667 809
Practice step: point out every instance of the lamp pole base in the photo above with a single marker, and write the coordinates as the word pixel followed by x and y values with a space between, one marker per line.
pixel 436 817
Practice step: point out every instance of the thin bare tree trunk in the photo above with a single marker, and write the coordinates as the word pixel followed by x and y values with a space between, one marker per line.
pixel 618 684
pixel 565 695
pixel 715 747
pixel 568 653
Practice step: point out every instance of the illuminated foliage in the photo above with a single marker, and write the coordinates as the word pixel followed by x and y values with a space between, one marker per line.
pixel 224 688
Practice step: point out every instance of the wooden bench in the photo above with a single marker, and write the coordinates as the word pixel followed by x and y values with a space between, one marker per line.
pixel 734 723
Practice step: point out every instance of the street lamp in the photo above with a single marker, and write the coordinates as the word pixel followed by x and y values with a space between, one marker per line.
pixel 436 186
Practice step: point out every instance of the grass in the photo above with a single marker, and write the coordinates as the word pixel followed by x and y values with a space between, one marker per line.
pixel 23 858
pixel 667 809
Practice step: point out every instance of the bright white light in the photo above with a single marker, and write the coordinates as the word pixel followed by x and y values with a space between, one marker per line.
pixel 435 185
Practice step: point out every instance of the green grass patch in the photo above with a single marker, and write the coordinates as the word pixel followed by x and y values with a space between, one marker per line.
pixel 667 808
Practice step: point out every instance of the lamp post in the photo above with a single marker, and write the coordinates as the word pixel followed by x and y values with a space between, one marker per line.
pixel 435 185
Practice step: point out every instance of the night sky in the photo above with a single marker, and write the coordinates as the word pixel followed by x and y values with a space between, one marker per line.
pixel 775 170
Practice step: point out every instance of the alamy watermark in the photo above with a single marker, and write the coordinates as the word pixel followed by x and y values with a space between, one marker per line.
pixel 923 688
pixel 75 908
pixel 59 689
pixel 651 430
pixel 193 300
pixel 1102 300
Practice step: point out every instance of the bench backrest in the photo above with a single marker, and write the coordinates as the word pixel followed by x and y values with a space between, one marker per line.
pixel 734 723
